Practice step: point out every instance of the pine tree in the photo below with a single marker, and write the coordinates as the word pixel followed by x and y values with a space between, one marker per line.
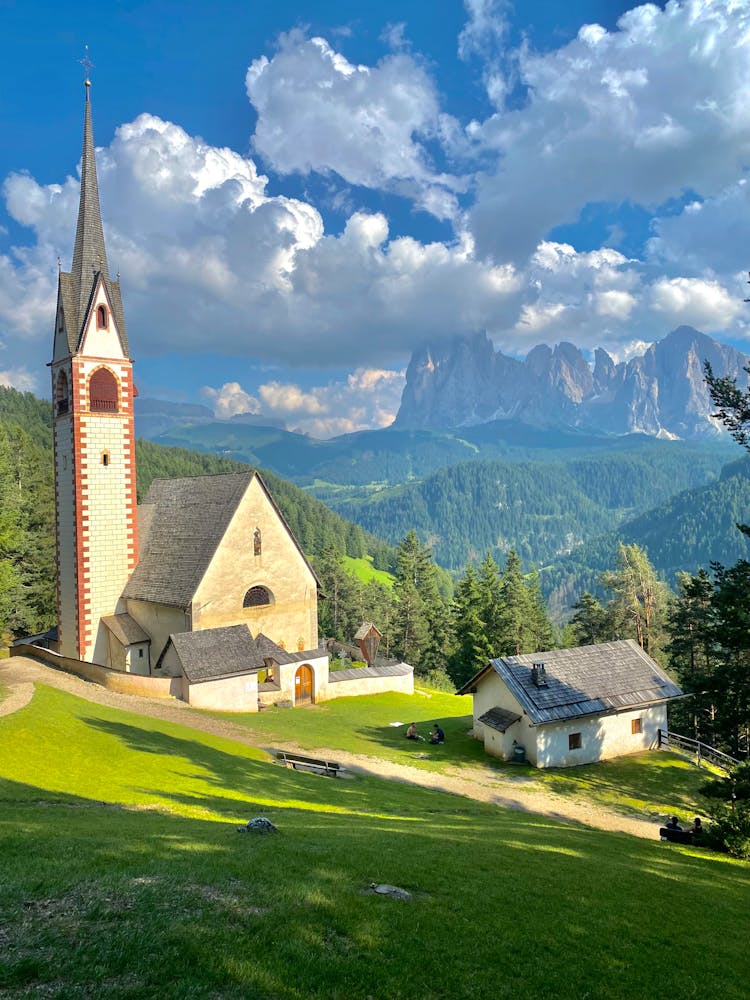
pixel 516 608
pixel 639 602
pixel 470 649
pixel 590 623
pixel 490 587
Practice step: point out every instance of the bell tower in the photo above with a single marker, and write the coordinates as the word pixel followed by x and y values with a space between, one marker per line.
pixel 92 400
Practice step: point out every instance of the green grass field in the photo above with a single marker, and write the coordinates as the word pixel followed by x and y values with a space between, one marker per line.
pixel 654 784
pixel 364 571
pixel 123 877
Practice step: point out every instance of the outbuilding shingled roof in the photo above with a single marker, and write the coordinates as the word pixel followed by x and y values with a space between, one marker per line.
pixel 222 652
pixel 499 718
pixel 585 680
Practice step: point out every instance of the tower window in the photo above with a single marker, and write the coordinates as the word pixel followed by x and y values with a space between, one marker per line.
pixel 103 391
pixel 257 597
pixel 257 542
pixel 105 458
pixel 102 318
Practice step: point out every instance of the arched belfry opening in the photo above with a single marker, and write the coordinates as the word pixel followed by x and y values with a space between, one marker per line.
pixel 103 395
pixel 102 318
pixel 62 396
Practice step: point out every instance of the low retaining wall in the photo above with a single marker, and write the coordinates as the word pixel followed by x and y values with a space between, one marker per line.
pixel 113 680
pixel 369 680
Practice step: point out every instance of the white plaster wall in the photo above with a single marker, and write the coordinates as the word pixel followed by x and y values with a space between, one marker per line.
pixel 159 621
pixel 293 617
pixel 288 671
pixel 403 684
pixel 602 737
pixel 135 664
pixel 231 694
pixel 492 693
pixel 101 343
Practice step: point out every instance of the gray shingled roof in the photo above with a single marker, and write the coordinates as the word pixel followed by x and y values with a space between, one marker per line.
pixel 585 680
pixel 184 526
pixel 222 652
pixel 180 525
pixel 387 670
pixel 499 718
pixel 89 253
pixel 125 629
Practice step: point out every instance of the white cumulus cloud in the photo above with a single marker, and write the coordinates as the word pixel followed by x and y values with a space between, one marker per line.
pixel 368 124
pixel 644 113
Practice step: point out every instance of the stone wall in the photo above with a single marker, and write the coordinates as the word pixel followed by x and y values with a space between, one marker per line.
pixel 113 680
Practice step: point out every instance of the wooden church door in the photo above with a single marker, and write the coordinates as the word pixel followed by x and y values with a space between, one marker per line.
pixel 303 685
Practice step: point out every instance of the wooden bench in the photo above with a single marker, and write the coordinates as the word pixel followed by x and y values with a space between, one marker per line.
pixel 315 764
pixel 676 836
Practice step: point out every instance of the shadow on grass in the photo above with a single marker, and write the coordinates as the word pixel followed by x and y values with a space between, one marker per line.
pixel 170 906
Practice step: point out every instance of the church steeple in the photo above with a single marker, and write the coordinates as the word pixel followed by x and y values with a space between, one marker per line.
pixel 89 273
pixel 89 253
pixel 94 435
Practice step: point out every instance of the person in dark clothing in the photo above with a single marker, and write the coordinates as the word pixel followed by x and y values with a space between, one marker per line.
pixel 437 735
pixel 673 824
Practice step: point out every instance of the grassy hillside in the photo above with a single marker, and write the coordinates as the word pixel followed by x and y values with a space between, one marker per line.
pixel 123 877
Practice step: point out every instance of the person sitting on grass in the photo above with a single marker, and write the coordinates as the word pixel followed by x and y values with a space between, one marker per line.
pixel 411 732
pixel 437 735
pixel 697 828
pixel 674 824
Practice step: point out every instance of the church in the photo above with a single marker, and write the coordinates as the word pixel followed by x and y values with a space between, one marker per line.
pixel 203 582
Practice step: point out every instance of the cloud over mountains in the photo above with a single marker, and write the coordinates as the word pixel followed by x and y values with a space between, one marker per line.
pixel 217 255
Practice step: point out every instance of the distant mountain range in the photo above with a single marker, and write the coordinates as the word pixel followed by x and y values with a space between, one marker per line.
pixel 660 393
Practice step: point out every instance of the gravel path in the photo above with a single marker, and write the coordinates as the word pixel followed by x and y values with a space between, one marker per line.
pixel 482 784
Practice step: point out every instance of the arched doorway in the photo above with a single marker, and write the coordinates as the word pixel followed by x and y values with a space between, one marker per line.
pixel 303 685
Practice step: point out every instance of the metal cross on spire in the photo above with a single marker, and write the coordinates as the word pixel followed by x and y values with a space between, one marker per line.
pixel 87 65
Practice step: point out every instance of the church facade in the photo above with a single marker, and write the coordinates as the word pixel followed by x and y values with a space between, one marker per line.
pixel 203 581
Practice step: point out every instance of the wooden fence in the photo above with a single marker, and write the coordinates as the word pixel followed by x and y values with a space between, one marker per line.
pixel 701 752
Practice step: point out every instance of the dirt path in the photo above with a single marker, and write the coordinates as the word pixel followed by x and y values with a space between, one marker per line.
pixel 479 783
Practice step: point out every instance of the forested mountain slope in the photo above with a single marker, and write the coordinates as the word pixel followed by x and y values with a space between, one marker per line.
pixel 543 510
pixel 689 531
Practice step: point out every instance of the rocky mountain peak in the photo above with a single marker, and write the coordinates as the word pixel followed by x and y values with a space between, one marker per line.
pixel 661 392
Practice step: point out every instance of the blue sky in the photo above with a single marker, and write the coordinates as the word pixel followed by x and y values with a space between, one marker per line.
pixel 299 195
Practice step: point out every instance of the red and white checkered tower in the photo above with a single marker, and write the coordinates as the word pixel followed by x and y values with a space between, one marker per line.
pixel 92 397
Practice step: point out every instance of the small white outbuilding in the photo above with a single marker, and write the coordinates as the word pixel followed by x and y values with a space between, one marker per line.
pixel 571 706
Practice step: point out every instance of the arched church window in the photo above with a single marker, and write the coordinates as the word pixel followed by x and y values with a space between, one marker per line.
pixel 61 394
pixel 102 318
pixel 103 391
pixel 257 542
pixel 257 597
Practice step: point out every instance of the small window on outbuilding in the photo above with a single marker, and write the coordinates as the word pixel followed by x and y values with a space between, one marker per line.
pixel 636 726
pixel 257 597
pixel 102 318
pixel 574 741
pixel 257 542
pixel 105 458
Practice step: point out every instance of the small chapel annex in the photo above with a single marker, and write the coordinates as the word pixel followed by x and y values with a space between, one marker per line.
pixel 203 583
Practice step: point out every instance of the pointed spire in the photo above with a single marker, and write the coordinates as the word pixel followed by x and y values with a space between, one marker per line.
pixel 89 253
